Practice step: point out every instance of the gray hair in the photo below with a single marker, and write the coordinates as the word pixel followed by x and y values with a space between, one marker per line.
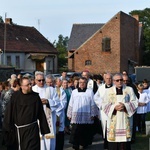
pixel 39 73
pixel 108 74
pixel 117 74
pixel 49 76
pixel 13 76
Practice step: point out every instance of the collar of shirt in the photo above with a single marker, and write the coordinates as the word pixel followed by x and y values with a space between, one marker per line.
pixel 119 91
pixel 81 90
pixel 108 86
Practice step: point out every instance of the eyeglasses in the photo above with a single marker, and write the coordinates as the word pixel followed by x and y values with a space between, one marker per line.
pixel 119 80
pixel 41 80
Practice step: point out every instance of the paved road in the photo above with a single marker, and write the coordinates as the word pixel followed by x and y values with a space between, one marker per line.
pixel 96 145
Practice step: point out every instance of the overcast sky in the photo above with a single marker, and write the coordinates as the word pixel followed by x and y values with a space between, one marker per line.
pixel 55 17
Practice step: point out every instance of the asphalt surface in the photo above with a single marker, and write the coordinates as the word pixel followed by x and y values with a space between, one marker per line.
pixel 96 145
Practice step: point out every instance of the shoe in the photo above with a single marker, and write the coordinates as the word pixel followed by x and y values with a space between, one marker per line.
pixel 84 147
pixel 76 147
pixel 67 131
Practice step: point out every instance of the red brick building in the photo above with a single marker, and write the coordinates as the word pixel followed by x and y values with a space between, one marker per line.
pixel 110 47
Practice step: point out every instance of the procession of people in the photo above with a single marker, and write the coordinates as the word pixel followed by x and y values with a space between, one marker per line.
pixel 37 111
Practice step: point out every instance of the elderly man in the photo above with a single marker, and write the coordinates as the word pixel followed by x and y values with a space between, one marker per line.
pixel 128 82
pixel 81 111
pixel 50 80
pixel 119 104
pixel 52 105
pixel 98 100
pixel 60 119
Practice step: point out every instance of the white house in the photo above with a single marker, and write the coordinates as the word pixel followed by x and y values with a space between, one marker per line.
pixel 26 49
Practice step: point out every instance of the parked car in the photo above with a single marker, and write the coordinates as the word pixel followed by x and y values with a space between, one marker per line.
pixel 73 74
pixel 56 75
pixel 26 73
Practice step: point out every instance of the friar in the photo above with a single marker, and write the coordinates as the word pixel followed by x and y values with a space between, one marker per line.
pixel 22 115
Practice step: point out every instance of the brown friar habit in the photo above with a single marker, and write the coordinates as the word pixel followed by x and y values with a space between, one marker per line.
pixel 24 110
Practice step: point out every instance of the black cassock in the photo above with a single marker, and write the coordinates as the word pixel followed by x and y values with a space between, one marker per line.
pixel 24 110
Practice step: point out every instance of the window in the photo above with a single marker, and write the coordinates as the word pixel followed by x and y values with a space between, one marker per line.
pixel 18 61
pixel 49 65
pixel 88 62
pixel 9 60
pixel 106 44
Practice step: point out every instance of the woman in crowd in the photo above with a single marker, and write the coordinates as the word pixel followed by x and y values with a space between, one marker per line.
pixel 68 92
pixel 14 86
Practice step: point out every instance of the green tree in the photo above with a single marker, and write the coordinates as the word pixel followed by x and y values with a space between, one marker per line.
pixel 144 17
pixel 61 46
pixel 1 19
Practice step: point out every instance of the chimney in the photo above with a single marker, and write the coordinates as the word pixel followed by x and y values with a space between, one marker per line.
pixel 8 21
pixel 136 17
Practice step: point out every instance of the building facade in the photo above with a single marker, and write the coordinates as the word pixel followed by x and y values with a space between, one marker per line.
pixel 26 49
pixel 110 47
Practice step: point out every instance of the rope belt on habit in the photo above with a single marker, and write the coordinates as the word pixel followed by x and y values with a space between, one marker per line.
pixel 23 126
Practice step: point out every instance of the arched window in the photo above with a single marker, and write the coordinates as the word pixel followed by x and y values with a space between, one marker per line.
pixel 88 62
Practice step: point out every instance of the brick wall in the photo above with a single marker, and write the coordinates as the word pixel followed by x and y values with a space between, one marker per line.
pixel 122 29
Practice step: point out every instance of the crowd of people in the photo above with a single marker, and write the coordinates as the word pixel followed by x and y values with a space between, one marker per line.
pixel 37 111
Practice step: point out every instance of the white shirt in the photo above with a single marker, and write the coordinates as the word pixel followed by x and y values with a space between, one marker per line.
pixel 142 99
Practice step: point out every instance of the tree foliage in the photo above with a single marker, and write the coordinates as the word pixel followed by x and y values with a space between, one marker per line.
pixel 1 19
pixel 144 17
pixel 61 46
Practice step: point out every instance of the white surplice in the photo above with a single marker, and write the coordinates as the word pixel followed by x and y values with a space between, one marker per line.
pixel 55 107
pixel 98 100
pixel 120 126
pixel 82 107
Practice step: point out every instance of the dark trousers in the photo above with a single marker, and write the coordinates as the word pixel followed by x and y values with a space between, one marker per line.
pixel 141 122
pixel 105 139
pixel 60 140
pixel 134 126
pixel 119 146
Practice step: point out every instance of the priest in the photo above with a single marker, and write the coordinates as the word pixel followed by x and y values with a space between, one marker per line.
pixel 51 105
pixel 119 104
pixel 98 100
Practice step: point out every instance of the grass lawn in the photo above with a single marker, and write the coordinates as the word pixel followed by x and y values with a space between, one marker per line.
pixel 142 141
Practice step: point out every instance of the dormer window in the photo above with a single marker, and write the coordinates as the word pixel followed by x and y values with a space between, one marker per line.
pixel 106 43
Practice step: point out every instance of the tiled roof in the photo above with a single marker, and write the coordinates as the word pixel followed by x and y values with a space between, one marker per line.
pixel 24 39
pixel 80 33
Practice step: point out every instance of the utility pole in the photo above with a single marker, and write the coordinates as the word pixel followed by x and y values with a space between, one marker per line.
pixel 39 25
pixel 5 31
pixel 1 52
